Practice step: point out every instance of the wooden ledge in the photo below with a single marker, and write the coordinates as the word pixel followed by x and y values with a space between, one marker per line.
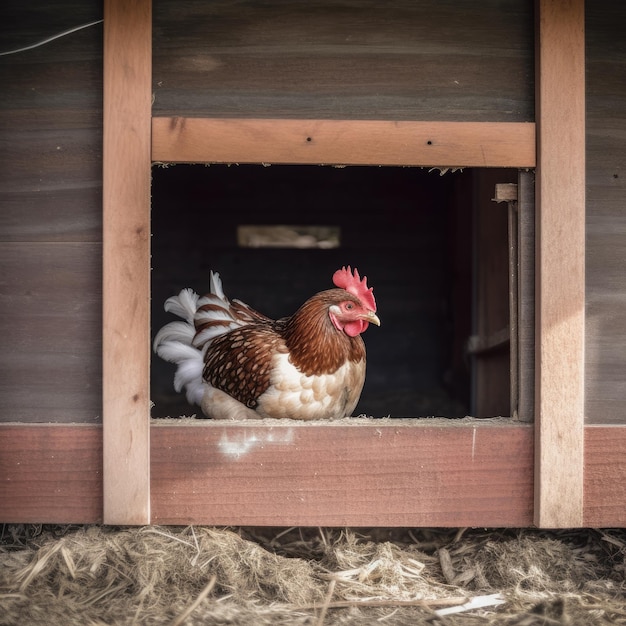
pixel 391 473
pixel 343 142
pixel 347 473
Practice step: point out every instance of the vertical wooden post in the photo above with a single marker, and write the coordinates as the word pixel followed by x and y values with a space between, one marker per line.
pixel 126 259
pixel 526 295
pixel 560 232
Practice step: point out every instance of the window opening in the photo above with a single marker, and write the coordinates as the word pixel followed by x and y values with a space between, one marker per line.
pixel 432 243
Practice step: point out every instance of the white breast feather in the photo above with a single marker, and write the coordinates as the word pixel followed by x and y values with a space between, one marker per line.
pixel 297 396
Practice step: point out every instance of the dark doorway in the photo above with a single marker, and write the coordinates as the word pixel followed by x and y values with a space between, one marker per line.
pixel 412 231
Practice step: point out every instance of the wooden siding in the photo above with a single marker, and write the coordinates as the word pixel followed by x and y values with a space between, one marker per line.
pixel 606 213
pixel 50 324
pixel 398 60
pixel 50 214
pixel 50 234
pixel 51 473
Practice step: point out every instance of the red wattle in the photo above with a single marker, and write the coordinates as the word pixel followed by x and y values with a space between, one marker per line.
pixel 352 329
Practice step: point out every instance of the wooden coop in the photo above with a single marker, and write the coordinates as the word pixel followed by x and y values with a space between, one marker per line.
pixel 469 157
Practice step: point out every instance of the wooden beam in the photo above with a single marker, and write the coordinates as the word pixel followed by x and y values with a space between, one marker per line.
pixel 343 142
pixel 605 477
pixel 346 473
pixel 126 260
pixel 561 264
pixel 51 473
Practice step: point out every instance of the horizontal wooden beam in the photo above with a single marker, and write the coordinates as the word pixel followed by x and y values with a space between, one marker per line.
pixel 50 473
pixel 349 473
pixel 403 472
pixel 343 142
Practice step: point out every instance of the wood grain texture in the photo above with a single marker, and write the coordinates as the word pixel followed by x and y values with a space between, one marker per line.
pixel 51 214
pixel 126 261
pixel 605 374
pixel 50 324
pixel 51 124
pixel 374 473
pixel 605 476
pixel 526 296
pixel 343 142
pixel 427 60
pixel 560 239
pixel 51 473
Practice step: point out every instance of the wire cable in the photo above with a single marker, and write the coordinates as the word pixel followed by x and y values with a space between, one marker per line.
pixel 49 39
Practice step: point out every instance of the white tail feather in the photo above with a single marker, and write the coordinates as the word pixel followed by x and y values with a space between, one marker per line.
pixel 177 342
pixel 174 331
pixel 189 377
pixel 177 352
pixel 215 284
pixel 184 305
pixel 189 363
pixel 173 343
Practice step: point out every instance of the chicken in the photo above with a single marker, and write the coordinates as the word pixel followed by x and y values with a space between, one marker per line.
pixel 239 364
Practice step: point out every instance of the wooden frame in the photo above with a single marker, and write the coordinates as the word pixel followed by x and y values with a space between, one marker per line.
pixel 52 473
pixel 560 279
pixel 126 260
pixel 469 473
pixel 343 142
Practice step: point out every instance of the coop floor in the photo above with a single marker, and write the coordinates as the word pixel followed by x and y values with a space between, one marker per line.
pixel 407 403
pixel 202 575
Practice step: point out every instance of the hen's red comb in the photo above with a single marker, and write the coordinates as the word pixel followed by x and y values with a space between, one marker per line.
pixel 352 283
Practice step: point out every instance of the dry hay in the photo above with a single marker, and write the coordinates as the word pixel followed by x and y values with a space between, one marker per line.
pixel 195 576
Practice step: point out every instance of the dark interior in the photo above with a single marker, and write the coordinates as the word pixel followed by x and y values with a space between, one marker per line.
pixel 410 230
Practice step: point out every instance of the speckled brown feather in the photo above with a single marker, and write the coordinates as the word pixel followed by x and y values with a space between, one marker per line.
pixel 240 362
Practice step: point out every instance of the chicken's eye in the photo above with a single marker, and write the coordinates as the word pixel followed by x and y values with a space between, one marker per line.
pixel 349 306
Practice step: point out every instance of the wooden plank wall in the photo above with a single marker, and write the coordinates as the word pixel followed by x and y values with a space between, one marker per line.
pixel 50 187
pixel 51 473
pixel 394 60
pixel 606 213
pixel 50 214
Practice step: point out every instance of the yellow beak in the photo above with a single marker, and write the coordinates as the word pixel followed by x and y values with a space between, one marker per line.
pixel 372 318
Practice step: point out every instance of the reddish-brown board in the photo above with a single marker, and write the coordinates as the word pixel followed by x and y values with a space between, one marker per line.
pixel 605 476
pixel 422 474
pixel 50 473
pixel 350 473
